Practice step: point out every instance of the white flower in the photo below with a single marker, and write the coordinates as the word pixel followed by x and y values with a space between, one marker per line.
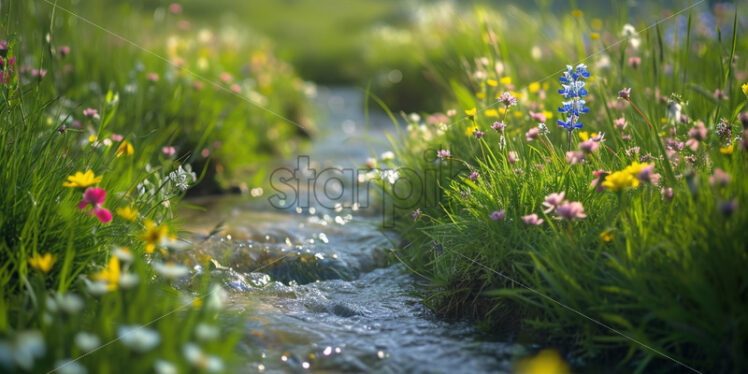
pixel 28 345
pixel 206 332
pixel 69 366
pixel 673 110
pixel 216 298
pixel 69 303
pixel 140 339
pixel 165 367
pixel 170 270
pixel 628 30
pixel 96 288
pixel 87 342
pixel 128 280
pixel 195 356
pixel 124 255
pixel 389 175
pixel 389 155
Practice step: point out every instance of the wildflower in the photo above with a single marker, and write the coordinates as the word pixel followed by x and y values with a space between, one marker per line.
pixel 727 150
pixel 128 213
pixel 572 210
pixel 507 99
pixel 86 341
pixel 666 193
pixel 471 112
pixel 5 76
pixel 491 113
pixel 153 235
pixel 729 207
pixel 724 130
pixel 165 367
pixel 552 201
pixel 170 270
pixel 473 176
pixel 95 197
pixel 624 94
pixel 389 175
pixel 168 151
pixel 125 149
pixel 175 8
pixel 63 51
pixel 444 154
pixel 673 110
pixel 498 126
pixel 513 157
pixel 216 298
pixel 90 112
pixel 43 263
pixel 572 89
pixel 506 81
pixel 719 178
pixel 128 280
pixel 195 356
pixel 532 134
pixel 416 213
pixel 138 338
pixel 26 347
pixel 744 87
pixel 620 180
pixel 82 180
pixel 532 219
pixel 630 33
pixel 206 332
pixel 620 123
pixel 635 168
pixel 634 62
pixel 589 146
pixel 497 215
pixel 743 118
pixel 697 133
pixel 646 174
pixel 599 175
pixel 606 236
pixel 478 134
pixel 492 82
pixel 109 275
pixel 153 77
pixel 540 117
pixel 533 88
pixel 123 254
pixel 387 156
pixel 546 362
pixel 574 157
pixel 69 366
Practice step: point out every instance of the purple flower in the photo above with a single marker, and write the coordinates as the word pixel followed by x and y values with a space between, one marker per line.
pixel 624 94
pixel 667 193
pixel 444 154
pixel 729 207
pixel 478 134
pixel 552 201
pixel 647 174
pixel 498 126
pixel 497 215
pixel 589 146
pixel 473 176
pixel 416 213
pixel 532 219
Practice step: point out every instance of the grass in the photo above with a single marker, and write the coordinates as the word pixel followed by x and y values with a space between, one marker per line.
pixel 660 275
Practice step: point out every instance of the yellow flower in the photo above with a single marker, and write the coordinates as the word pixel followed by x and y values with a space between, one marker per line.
pixel 110 274
pixel 42 263
pixel 492 82
pixel 491 113
pixel 471 112
pixel 727 150
pixel 584 135
pixel 594 36
pixel 745 89
pixel 663 120
pixel 606 236
pixel 576 13
pixel 153 235
pixel 518 95
pixel 546 85
pixel 534 87
pixel 128 213
pixel 125 149
pixel 548 361
pixel 548 114
pixel 92 138
pixel 596 23
pixel 635 168
pixel 502 110
pixel 620 180
pixel 470 130
pixel 481 95
pixel 517 114
pixel 82 180
pixel 506 81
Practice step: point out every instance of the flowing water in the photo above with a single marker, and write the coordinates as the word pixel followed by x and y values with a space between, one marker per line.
pixel 316 284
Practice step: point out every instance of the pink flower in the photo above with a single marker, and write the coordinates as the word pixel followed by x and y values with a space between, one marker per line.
pixel 226 77
pixel 540 117
pixel 620 123
pixel 91 112
pixel 624 94
pixel 532 219
pixel 572 210
pixel 497 215
pixel 117 137
pixel 63 51
pixel 697 134
pixel 478 134
pixel 532 134
pixel 513 157
pixel 168 151
pixel 95 197
pixel 634 62
pixel 205 152
pixel 175 8
pixel 589 146
pixel 552 201
pixel 574 157
pixel 667 193
pixel 507 99
pixel 416 213
pixel 153 77
pixel 498 126
pixel 473 176
pixel 236 88
pixel 599 176
pixel 719 178
pixel 444 154
pixel 647 174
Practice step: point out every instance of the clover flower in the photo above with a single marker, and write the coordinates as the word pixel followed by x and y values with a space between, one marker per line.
pixel 168 151
pixel 540 117
pixel 498 126
pixel 497 215
pixel 473 176
pixel 507 99
pixel 589 145
pixel 552 201
pixel 620 123
pixel 624 94
pixel 532 220
pixel 697 134
pixel 478 134
pixel 444 154
pixel 532 134
pixel 574 157
pixel 95 197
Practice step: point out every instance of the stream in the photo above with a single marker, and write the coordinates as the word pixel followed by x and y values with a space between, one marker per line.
pixel 316 287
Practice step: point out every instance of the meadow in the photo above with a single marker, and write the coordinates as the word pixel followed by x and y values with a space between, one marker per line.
pixel 577 186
